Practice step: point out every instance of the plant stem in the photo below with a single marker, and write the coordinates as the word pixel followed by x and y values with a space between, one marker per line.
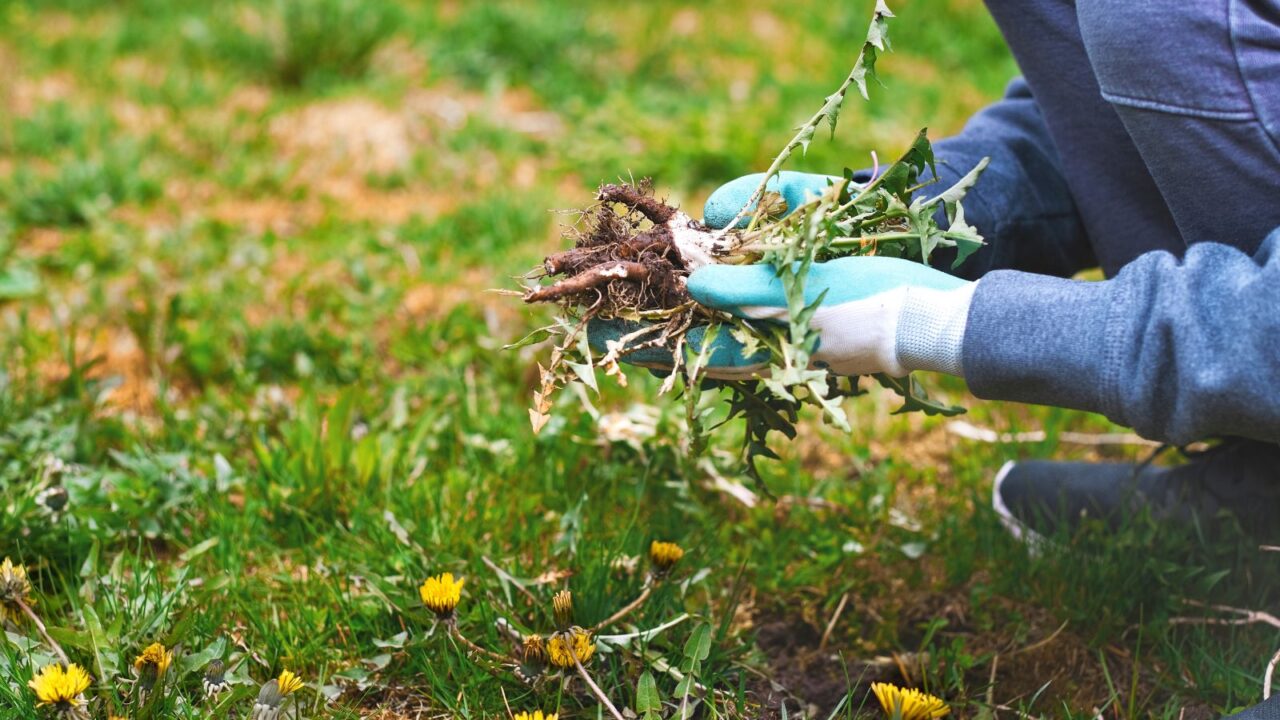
pixel 802 135
pixel 595 689
pixel 627 610
pixel 457 634
pixel 43 631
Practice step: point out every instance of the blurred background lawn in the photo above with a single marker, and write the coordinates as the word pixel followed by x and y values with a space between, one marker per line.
pixel 245 249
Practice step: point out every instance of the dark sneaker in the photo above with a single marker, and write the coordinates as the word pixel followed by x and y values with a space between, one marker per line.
pixel 1266 710
pixel 1038 499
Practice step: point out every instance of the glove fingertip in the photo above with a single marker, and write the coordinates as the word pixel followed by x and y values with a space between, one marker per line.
pixel 728 200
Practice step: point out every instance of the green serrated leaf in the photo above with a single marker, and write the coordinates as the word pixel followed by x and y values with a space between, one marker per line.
pixel 951 197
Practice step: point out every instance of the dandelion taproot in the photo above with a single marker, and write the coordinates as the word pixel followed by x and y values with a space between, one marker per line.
pixel 908 703
pixel 441 594
pixel 566 646
pixel 535 715
pixel 61 688
pixel 664 555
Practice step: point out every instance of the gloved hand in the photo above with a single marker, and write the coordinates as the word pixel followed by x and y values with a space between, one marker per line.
pixel 878 314
pixel 725 360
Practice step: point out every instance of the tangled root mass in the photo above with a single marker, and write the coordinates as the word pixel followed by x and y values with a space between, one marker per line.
pixel 624 259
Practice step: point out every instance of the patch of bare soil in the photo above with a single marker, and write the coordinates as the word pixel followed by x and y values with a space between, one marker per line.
pixel 112 354
pixel 350 135
pixel 1033 654
pixel 811 678
pixel 398 702
pixel 23 95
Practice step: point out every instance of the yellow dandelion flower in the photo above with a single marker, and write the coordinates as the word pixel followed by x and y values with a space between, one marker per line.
pixel 664 555
pixel 441 594
pixel 562 605
pixel 288 683
pixel 575 642
pixel 908 703
pixel 535 715
pixel 60 687
pixel 155 657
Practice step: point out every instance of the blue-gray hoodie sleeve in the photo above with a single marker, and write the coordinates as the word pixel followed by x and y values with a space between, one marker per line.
pixel 1178 350
pixel 1021 204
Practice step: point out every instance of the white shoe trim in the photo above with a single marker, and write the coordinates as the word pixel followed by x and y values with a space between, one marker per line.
pixel 1016 527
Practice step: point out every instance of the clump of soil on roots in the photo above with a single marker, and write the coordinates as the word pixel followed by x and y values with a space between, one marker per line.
pixel 627 256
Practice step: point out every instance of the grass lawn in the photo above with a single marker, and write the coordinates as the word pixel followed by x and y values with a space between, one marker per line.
pixel 251 360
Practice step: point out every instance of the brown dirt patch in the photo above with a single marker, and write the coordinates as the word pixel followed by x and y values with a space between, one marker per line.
pixel 818 679
pixel 347 136
pixel 22 96
pixel 112 353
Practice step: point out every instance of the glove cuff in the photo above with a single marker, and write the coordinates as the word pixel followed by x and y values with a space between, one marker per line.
pixel 930 333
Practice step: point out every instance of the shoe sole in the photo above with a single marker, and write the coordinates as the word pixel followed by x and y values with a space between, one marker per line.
pixel 1019 530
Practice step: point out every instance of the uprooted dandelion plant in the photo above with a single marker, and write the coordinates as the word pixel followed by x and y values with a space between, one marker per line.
pixel 633 253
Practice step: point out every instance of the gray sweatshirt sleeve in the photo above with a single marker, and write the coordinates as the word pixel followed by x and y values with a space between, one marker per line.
pixel 1178 350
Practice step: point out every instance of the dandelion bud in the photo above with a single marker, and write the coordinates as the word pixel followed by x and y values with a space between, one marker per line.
pixel 664 555
pixel 534 649
pixel 562 604
pixel 15 588
pixel 267 706
pixel 272 695
pixel 14 585
pixel 151 665
pixel 215 679
pixel 53 499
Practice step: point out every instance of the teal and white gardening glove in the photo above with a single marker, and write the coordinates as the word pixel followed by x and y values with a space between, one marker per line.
pixel 878 314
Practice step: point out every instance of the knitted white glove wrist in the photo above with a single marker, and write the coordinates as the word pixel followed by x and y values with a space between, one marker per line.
pixel 930 333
